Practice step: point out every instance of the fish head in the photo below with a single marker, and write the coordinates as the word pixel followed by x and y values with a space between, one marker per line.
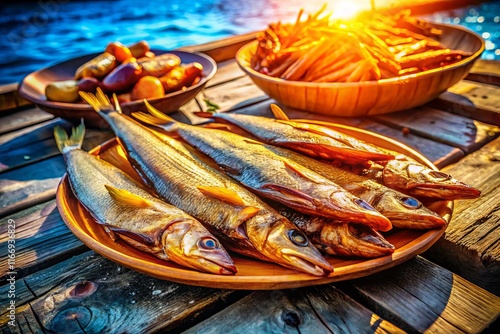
pixel 189 243
pixel 351 239
pixel 418 180
pixel 281 241
pixel 405 211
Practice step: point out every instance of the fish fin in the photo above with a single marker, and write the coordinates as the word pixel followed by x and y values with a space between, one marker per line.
pixel 289 194
pixel 251 141
pixel 158 114
pixel 247 213
pixel 73 142
pixel 117 104
pixel 133 237
pixel 127 198
pixel 148 119
pixel 222 194
pixel 204 114
pixel 279 113
pixel 217 126
pixel 111 234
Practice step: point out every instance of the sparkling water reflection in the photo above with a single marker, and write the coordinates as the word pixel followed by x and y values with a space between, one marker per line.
pixel 39 33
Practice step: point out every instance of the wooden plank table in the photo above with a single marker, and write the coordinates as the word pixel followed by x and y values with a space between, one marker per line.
pixel 63 287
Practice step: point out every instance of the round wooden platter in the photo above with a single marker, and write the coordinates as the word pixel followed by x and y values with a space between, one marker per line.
pixel 252 274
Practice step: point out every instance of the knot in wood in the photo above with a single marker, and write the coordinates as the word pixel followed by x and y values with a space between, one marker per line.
pixel 83 289
pixel 291 318
pixel 71 320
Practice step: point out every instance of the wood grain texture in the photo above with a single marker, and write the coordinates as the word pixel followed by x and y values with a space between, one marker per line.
pixel 42 239
pixel 323 309
pixel 440 154
pixel 419 296
pixel 30 185
pixel 232 95
pixel 474 100
pixel 23 118
pixel 95 295
pixel 226 71
pixel 470 246
pixel 485 71
pixel 443 127
pixel 223 49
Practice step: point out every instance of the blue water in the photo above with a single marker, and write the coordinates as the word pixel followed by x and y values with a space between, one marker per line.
pixel 36 34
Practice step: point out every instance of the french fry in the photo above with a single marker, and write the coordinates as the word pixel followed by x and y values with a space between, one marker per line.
pixel 374 47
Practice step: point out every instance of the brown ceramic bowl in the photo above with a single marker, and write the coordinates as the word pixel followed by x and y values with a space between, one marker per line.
pixel 366 98
pixel 32 88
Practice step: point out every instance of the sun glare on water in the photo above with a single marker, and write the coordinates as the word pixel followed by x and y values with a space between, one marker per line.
pixel 347 9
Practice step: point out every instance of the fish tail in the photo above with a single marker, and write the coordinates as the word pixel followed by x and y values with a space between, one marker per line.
pixel 279 113
pixel 156 118
pixel 65 144
pixel 100 101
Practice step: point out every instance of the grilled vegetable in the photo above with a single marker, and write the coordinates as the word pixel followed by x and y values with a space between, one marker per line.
pixel 160 65
pixel 120 51
pixel 139 49
pixel 126 210
pixel 181 76
pixel 98 67
pixel 241 220
pixel 147 87
pixel 122 78
pixel 88 84
pixel 272 176
pixel 62 91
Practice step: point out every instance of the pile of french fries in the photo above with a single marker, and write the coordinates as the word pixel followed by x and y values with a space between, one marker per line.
pixel 318 49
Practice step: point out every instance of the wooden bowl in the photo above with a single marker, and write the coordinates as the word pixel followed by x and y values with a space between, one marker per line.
pixel 32 88
pixel 369 97
pixel 252 274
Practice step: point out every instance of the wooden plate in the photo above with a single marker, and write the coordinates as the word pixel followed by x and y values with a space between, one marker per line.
pixel 354 99
pixel 252 274
pixel 32 88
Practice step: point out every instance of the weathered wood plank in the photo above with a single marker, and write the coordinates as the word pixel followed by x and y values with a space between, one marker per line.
pixel 232 95
pixel 419 296
pixel 470 246
pixel 323 309
pixel 440 154
pixel 29 185
pixel 485 71
pixel 36 143
pixel 23 118
pixel 443 127
pixel 99 296
pixel 25 323
pixel 226 71
pixel 473 100
pixel 223 49
pixel 10 99
pixel 42 239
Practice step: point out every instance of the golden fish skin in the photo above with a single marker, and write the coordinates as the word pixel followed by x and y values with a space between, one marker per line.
pixel 312 140
pixel 339 238
pixel 278 178
pixel 403 211
pixel 177 178
pixel 417 180
pixel 148 224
